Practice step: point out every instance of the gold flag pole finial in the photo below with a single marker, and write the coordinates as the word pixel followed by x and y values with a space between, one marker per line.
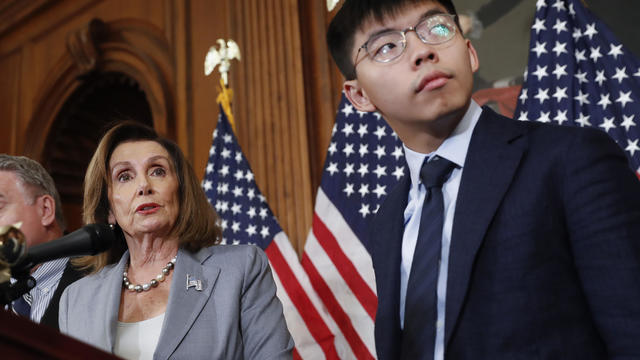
pixel 227 51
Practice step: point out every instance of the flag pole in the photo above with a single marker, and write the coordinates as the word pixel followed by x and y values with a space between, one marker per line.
pixel 221 57
pixel 225 97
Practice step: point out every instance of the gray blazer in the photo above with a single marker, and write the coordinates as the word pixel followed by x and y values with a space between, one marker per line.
pixel 236 315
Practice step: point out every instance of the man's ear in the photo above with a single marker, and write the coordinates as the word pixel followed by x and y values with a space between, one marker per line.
pixel 47 208
pixel 473 57
pixel 358 96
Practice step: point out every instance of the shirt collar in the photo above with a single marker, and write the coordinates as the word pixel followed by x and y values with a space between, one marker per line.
pixel 49 272
pixel 454 148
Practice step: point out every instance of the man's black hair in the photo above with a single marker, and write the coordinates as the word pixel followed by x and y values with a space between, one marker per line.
pixel 352 16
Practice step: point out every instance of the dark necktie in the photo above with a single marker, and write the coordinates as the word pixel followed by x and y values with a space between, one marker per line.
pixel 22 306
pixel 419 333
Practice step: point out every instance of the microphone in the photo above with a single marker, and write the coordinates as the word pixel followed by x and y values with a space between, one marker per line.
pixel 91 239
pixel 12 245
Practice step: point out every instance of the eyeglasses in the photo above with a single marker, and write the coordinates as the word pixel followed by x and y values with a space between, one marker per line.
pixel 390 45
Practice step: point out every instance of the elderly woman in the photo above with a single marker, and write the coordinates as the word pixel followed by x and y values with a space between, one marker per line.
pixel 165 291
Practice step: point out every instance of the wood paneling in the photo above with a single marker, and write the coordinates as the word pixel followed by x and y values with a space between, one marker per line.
pixel 271 115
pixel 181 42
pixel 207 22
pixel 41 38
pixel 9 95
pixel 14 12
pixel 320 84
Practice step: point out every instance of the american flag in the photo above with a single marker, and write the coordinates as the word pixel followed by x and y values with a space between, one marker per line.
pixel 247 219
pixel 580 75
pixel 364 161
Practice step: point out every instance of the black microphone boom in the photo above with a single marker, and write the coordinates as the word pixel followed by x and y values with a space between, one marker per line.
pixel 91 239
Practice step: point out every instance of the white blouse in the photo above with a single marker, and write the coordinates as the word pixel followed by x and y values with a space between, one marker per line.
pixel 138 340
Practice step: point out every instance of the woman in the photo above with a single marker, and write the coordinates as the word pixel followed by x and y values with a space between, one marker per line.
pixel 164 291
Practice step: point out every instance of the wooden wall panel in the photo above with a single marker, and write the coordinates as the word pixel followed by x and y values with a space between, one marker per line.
pixel 207 22
pixel 9 96
pixel 322 84
pixel 270 110
pixel 42 41
pixel 44 16
pixel 181 38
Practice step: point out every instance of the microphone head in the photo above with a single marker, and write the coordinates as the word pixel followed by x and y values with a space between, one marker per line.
pixel 102 237
pixel 12 244
pixel 91 239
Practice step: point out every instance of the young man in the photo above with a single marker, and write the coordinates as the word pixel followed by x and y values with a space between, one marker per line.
pixel 508 240
pixel 28 195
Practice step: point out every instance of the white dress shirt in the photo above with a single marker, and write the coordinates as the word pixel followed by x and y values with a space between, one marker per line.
pixel 138 340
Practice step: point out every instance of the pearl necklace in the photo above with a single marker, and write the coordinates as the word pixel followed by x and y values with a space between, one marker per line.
pixel 153 283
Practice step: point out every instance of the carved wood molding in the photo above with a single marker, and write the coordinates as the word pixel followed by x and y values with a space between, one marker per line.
pixel 14 12
pixel 83 45
pixel 132 47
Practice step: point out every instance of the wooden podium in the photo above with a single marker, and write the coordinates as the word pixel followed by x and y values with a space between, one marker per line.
pixel 23 339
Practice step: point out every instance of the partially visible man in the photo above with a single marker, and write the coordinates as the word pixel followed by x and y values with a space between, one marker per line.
pixel 28 195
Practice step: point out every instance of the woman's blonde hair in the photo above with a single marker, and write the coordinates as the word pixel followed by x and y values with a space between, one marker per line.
pixel 197 223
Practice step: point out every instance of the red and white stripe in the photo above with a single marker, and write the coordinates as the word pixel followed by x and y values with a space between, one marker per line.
pixel 312 330
pixel 341 273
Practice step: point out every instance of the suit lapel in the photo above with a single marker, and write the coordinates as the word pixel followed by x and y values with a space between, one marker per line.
pixel 494 153
pixel 387 256
pixel 185 304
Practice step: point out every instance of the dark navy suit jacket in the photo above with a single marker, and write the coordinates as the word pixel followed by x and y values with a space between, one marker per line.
pixel 545 249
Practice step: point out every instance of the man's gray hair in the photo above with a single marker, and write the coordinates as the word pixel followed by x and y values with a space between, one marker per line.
pixel 35 179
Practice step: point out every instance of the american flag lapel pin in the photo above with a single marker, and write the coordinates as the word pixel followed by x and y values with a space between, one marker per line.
pixel 194 283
